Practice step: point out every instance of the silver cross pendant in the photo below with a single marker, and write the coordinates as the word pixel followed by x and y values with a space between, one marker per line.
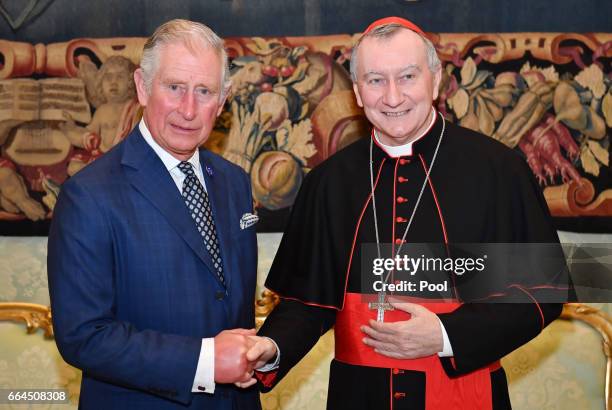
pixel 380 307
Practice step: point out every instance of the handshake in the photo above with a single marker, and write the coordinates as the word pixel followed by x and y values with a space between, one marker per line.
pixel 238 352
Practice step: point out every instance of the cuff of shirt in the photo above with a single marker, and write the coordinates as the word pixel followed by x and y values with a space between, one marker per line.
pixel 447 349
pixel 204 381
pixel 268 367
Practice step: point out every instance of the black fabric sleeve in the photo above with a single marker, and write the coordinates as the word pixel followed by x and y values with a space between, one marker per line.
pixel 481 334
pixel 296 328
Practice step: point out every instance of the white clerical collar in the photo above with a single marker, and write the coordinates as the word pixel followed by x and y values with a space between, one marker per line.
pixel 169 161
pixel 396 151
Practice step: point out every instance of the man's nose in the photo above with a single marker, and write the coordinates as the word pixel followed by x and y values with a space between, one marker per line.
pixel 393 95
pixel 187 107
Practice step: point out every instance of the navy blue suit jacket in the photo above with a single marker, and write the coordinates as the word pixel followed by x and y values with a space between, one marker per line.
pixel 133 290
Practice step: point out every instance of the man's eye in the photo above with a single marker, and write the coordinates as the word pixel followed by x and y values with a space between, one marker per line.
pixel 173 87
pixel 409 76
pixel 375 81
pixel 203 91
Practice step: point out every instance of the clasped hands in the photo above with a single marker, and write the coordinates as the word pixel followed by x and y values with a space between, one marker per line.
pixel 238 352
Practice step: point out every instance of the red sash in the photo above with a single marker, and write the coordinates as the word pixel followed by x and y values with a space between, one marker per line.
pixel 469 392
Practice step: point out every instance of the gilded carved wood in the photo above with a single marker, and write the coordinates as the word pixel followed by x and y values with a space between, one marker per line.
pixel 601 322
pixel 264 306
pixel 597 319
pixel 34 316
pixel 37 316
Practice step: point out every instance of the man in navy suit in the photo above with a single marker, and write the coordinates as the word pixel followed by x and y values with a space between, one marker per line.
pixel 152 259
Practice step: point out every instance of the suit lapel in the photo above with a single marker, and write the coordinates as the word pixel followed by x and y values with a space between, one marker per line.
pixel 217 184
pixel 148 175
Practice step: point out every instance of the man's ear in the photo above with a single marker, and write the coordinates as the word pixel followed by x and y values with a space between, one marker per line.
pixel 141 89
pixel 357 95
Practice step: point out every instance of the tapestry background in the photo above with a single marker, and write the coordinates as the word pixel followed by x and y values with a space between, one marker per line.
pixel 546 95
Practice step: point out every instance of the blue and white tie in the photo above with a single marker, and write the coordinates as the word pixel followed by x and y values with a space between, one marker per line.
pixel 199 207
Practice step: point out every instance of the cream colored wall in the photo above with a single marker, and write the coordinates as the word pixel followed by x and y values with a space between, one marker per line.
pixel 561 369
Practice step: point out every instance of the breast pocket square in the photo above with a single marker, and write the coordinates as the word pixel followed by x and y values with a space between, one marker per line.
pixel 248 220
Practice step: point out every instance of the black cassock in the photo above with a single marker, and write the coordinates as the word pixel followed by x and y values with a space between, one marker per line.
pixel 480 192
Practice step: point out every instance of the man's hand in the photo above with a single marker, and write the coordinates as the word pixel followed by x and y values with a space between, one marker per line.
pixel 419 336
pixel 261 352
pixel 231 364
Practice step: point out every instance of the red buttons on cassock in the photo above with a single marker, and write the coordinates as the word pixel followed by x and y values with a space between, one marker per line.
pixel 400 220
pixel 399 395
pixel 403 161
pixel 401 200
pixel 398 241
pixel 395 371
pixel 402 179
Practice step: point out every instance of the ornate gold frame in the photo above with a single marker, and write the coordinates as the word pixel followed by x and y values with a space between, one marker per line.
pixel 39 317
pixel 264 306
pixel 597 319
pixel 35 316
pixel 601 322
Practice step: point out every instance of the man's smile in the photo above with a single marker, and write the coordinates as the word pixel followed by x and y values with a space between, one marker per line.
pixel 395 113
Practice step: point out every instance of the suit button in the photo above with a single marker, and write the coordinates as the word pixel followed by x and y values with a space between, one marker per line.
pixel 219 295
pixel 201 388
pixel 399 395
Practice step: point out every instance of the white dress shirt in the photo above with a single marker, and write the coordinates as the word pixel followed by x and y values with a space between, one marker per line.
pixel 204 380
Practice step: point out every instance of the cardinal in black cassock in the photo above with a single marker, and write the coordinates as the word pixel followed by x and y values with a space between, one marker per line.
pixel 449 185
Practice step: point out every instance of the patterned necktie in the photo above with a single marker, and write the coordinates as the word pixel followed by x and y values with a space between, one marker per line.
pixel 198 204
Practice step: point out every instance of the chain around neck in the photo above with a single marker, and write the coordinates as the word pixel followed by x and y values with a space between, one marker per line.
pixel 416 205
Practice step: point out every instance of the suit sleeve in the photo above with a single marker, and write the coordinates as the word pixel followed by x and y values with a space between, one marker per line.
pixel 89 336
pixel 482 333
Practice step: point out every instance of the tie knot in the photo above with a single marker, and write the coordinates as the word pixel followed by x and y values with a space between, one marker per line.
pixel 186 168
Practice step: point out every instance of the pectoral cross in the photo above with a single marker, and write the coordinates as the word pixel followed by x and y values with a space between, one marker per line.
pixel 380 307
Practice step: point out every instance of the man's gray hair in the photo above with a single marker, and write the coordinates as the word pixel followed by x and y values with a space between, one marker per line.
pixel 191 34
pixel 387 31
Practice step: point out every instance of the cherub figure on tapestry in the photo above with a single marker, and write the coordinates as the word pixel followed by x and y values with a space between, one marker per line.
pixel 43 143
pixel 111 91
